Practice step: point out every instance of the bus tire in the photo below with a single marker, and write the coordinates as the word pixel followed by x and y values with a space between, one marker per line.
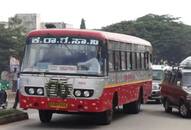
pixel 134 107
pixel 45 116
pixel 104 118
pixel 125 108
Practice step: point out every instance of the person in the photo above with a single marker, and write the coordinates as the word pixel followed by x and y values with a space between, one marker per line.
pixel 17 93
pixel 92 64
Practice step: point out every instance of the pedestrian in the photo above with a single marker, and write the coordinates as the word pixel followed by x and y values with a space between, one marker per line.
pixel 17 93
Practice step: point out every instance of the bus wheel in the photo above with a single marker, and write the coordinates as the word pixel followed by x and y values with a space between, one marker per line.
pixel 45 116
pixel 104 118
pixel 134 107
pixel 125 108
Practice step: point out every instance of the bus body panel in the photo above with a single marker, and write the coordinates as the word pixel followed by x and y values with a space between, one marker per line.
pixel 127 93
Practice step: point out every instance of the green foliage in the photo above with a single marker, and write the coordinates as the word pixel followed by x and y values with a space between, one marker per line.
pixel 170 38
pixel 7 112
pixel 11 42
pixel 82 25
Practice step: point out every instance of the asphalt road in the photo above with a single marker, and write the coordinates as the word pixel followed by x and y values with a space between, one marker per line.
pixel 151 117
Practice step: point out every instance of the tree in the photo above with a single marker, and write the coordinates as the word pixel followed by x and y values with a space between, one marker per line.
pixel 50 25
pixel 11 42
pixel 170 38
pixel 82 25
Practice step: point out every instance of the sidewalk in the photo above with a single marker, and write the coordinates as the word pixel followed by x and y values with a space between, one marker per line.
pixel 11 98
pixel 10 94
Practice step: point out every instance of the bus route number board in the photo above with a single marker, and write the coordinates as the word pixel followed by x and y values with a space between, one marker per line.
pixel 64 40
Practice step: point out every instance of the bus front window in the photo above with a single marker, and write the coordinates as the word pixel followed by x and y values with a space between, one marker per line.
pixel 62 58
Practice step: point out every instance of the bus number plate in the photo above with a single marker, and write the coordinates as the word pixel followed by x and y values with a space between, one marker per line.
pixel 57 105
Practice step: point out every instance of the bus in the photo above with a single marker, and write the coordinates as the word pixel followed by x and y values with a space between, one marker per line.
pixel 56 77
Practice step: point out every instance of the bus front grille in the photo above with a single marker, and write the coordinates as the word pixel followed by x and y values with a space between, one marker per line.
pixel 58 88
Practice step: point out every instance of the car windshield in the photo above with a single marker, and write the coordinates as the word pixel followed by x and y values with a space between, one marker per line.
pixel 63 58
pixel 157 74
pixel 186 79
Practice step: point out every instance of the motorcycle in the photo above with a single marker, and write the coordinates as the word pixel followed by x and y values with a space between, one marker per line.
pixel 4 85
pixel 3 99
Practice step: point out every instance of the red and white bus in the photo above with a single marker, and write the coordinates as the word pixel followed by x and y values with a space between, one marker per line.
pixel 84 71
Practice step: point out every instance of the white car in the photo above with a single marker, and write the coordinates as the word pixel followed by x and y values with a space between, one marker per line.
pixel 158 73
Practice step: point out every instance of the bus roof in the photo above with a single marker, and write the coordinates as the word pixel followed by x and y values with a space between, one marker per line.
pixel 90 33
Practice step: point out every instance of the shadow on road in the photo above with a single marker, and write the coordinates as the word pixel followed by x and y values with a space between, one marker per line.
pixel 75 121
pixel 159 112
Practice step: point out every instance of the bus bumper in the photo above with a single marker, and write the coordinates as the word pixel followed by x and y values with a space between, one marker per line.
pixel 64 104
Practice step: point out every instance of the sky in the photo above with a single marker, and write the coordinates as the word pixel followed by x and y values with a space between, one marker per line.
pixel 97 13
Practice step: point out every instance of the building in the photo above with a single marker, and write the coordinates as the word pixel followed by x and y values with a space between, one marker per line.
pixel 32 22
pixel 28 21
pixel 5 24
pixel 59 25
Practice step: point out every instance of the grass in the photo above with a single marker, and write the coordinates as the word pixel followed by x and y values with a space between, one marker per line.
pixel 6 112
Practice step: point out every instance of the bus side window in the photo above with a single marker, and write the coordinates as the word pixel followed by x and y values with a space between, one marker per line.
pixel 130 60
pixel 146 57
pixel 123 61
pixel 116 61
pixel 142 61
pixel 111 61
pixel 135 61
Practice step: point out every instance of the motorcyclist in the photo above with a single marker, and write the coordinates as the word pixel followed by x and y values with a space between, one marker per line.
pixel 3 94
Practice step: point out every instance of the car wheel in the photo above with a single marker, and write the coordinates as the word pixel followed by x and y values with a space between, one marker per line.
pixel 167 107
pixel 184 111
pixel 45 116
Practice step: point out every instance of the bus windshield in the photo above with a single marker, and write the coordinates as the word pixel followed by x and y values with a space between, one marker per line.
pixel 63 58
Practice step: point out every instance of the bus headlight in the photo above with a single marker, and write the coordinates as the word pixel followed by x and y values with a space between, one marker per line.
pixel 83 92
pixel 34 90
pixel 39 91
pixel 86 93
pixel 31 91
pixel 77 93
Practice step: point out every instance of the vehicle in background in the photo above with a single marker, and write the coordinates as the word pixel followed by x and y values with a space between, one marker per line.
pixel 157 76
pixel 176 89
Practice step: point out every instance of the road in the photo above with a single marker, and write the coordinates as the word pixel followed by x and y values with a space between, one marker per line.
pixel 151 117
